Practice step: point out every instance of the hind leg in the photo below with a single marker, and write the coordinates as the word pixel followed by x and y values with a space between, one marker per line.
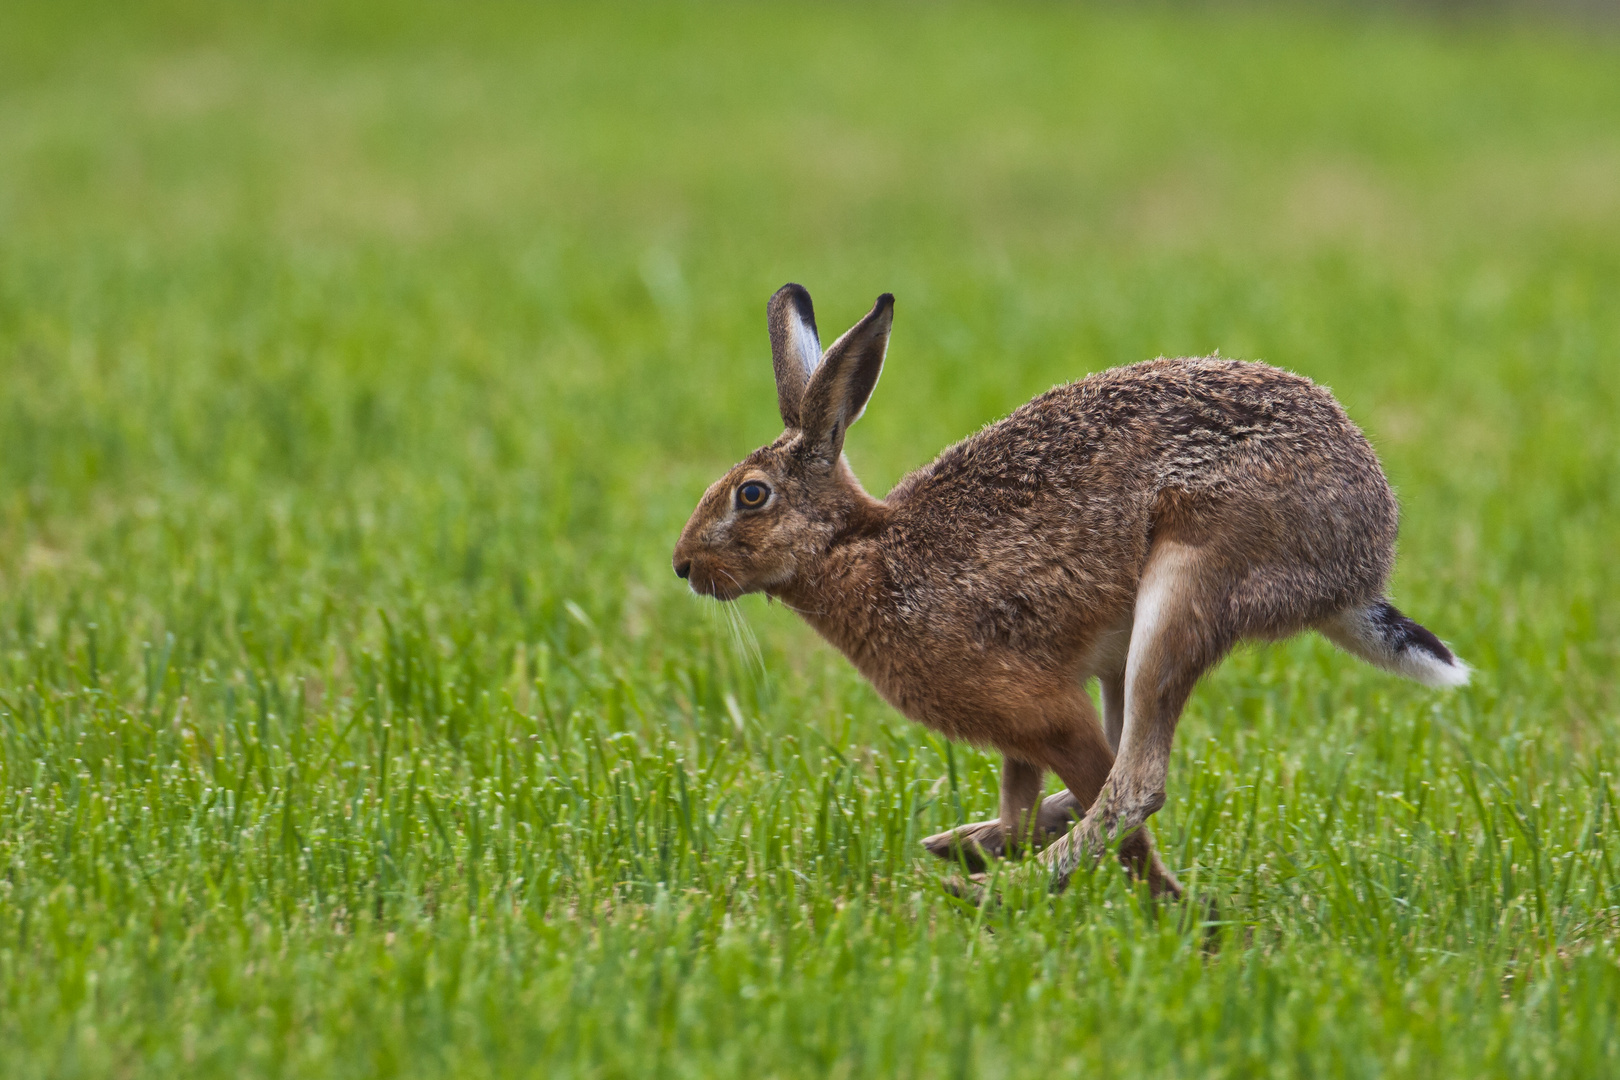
pixel 974 844
pixel 1085 764
pixel 1175 637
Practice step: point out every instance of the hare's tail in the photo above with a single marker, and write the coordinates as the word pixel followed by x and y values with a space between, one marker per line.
pixel 1381 635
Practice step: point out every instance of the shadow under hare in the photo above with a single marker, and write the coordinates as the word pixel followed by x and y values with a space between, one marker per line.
pixel 1132 527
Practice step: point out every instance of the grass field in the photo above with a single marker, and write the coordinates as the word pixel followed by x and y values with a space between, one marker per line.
pixel 358 368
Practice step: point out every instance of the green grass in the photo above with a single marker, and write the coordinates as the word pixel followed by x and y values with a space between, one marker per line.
pixel 358 368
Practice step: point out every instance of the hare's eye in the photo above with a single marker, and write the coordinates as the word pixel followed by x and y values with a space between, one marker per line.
pixel 752 495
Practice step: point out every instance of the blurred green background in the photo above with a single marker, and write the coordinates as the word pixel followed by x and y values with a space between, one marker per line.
pixel 359 365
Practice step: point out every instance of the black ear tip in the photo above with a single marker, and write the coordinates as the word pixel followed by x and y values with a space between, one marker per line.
pixel 884 302
pixel 797 295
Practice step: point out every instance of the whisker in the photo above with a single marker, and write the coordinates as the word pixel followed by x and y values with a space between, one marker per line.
pixel 742 634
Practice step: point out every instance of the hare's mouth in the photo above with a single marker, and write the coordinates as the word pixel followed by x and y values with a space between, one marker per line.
pixel 714 581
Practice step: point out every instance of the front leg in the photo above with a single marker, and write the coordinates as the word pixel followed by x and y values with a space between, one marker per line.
pixel 977 843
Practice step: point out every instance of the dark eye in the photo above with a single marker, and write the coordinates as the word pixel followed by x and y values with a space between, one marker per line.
pixel 752 495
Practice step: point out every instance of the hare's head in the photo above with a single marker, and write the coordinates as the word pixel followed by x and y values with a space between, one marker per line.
pixel 774 516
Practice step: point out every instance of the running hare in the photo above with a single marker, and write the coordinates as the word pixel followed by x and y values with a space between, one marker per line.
pixel 1132 526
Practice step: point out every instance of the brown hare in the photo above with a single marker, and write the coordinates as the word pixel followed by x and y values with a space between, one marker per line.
pixel 1132 526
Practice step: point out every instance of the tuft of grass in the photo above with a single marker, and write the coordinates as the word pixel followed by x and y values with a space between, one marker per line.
pixel 358 366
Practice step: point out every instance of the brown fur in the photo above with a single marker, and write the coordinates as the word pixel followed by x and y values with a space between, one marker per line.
pixel 1132 526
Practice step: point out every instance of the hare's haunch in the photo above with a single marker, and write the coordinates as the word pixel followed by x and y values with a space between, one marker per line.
pixel 1132 526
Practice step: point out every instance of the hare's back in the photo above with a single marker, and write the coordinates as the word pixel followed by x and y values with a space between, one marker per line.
pixel 1069 489
pixel 1201 423
pixel 1193 425
pixel 1264 469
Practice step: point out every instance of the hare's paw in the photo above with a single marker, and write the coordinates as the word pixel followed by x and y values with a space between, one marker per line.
pixel 1078 848
pixel 975 845
pixel 1085 845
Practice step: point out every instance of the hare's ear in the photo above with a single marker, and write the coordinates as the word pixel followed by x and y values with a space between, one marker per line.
pixel 795 348
pixel 838 390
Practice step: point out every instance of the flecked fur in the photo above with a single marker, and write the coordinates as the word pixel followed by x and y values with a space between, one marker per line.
pixel 1131 526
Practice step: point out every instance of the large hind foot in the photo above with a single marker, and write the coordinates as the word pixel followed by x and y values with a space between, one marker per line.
pixel 975 845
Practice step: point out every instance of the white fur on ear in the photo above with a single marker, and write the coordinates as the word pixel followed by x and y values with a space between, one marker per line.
pixel 805 343
pixel 795 347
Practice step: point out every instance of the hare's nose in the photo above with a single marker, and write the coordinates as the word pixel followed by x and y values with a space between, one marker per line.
pixel 683 568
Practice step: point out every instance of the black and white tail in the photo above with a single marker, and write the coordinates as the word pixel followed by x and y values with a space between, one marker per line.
pixel 1381 635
